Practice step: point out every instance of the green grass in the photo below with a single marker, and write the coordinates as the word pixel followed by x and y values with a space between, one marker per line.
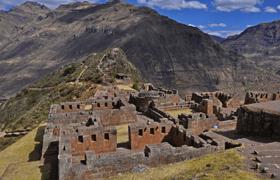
pixel 226 165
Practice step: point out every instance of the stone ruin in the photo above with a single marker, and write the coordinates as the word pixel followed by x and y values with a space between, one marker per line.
pixel 259 119
pixel 260 114
pixel 259 97
pixel 122 78
pixel 84 137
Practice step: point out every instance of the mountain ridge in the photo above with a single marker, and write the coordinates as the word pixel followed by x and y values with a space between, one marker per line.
pixel 166 53
pixel 260 43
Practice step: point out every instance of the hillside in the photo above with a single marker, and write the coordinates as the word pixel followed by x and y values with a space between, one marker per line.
pixel 217 38
pixel 75 81
pixel 260 43
pixel 165 52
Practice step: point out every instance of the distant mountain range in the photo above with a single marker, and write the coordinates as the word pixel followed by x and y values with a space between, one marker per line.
pixel 217 38
pixel 260 43
pixel 35 40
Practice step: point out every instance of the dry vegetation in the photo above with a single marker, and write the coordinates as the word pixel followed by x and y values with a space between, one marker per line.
pixel 219 166
pixel 122 135
pixel 177 112
pixel 21 160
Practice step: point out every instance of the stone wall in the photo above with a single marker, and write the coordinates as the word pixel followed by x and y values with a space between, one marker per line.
pixel 198 122
pixel 141 134
pixel 258 123
pixel 258 97
pixel 69 107
pixel 96 139
pixel 114 117
pixel 206 106
pixel 229 124
pixel 159 98
pixel 220 99
pixel 96 167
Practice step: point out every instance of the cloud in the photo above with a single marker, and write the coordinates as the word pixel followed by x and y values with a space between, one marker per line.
pixel 278 7
pixel 270 9
pixel 173 4
pixel 217 25
pixel 201 26
pixel 198 26
pixel 224 33
pixel 6 4
pixel 237 5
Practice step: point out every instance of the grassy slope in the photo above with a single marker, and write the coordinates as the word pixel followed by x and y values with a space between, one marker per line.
pixel 30 106
pixel 218 166
pixel 21 159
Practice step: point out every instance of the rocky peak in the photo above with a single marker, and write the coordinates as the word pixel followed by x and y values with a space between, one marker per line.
pixel 30 6
pixel 75 6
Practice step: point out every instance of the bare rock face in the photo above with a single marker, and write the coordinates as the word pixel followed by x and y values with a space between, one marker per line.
pixel 260 43
pixel 37 40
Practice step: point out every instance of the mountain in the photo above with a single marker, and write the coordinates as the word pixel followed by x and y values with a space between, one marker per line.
pixel 38 40
pixel 72 82
pixel 217 38
pixel 261 43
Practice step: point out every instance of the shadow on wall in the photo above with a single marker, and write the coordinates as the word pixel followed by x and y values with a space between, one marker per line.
pixel 50 168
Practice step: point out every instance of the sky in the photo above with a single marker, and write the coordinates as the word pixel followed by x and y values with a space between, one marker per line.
pixel 217 17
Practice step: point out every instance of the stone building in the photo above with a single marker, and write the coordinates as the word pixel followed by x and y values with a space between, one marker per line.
pixel 198 122
pixel 84 137
pixel 258 97
pixel 222 105
pixel 259 119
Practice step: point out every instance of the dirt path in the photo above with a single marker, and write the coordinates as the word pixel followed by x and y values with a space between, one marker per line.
pixel 81 74
pixel 40 89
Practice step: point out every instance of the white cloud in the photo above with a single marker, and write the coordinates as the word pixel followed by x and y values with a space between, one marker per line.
pixel 201 26
pixel 270 9
pixel 278 7
pixel 217 25
pixel 224 33
pixel 50 3
pixel 192 25
pixel 241 5
pixel 174 4
pixel 198 26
